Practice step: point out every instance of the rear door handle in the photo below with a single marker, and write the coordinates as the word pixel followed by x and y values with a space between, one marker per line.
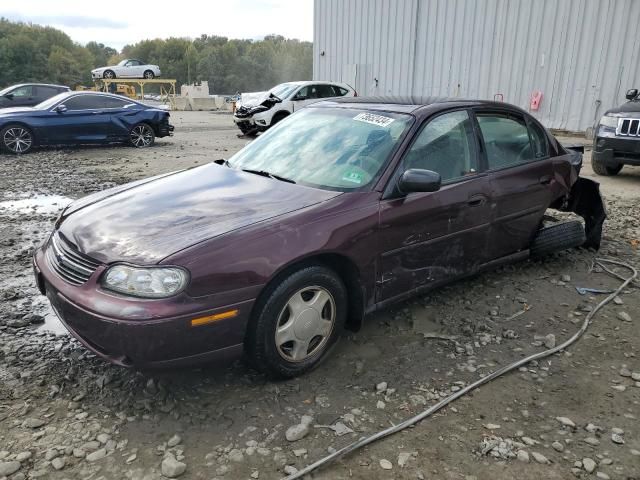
pixel 545 180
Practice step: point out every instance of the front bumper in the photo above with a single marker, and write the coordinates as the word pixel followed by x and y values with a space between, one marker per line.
pixel 165 130
pixel 246 125
pixel 614 151
pixel 96 75
pixel 161 335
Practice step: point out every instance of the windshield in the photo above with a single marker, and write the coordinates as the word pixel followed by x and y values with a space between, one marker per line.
pixel 283 90
pixel 330 148
pixel 121 63
pixel 50 102
pixel 6 90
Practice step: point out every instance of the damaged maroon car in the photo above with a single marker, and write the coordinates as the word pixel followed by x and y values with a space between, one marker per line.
pixel 342 208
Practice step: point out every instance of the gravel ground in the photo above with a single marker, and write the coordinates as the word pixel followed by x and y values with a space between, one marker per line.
pixel 65 414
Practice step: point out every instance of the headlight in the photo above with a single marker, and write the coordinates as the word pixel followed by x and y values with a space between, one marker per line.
pixel 608 121
pixel 154 282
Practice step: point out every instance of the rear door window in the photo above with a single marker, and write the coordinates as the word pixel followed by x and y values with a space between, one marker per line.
pixel 44 92
pixel 325 91
pixel 110 102
pixel 506 139
pixel 538 140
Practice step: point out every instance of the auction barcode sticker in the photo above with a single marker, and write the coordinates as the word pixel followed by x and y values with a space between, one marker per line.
pixel 374 119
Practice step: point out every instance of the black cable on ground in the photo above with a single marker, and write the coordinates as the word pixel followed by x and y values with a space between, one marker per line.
pixel 506 369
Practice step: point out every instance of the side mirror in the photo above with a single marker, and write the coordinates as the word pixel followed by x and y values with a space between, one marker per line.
pixel 61 108
pixel 419 180
pixel 632 94
pixel 8 95
pixel 299 97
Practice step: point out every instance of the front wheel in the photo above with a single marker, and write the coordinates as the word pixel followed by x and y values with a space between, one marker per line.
pixel 142 135
pixel 601 169
pixel 297 322
pixel 16 139
pixel 108 74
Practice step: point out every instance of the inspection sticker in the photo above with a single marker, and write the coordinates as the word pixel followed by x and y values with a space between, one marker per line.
pixel 353 177
pixel 379 120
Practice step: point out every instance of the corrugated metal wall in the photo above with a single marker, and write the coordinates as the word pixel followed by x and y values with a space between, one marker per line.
pixel 581 54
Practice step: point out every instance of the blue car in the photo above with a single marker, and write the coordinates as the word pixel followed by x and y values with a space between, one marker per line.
pixel 79 118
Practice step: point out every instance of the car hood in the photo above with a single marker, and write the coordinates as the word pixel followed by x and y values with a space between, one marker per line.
pixel 16 110
pixel 252 99
pixel 149 220
pixel 629 107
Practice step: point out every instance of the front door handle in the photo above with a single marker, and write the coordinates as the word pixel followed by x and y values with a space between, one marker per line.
pixel 476 200
pixel 545 180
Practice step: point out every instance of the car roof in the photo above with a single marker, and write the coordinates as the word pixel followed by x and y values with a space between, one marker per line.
pixel 407 104
pixel 38 85
pixel 102 94
pixel 311 82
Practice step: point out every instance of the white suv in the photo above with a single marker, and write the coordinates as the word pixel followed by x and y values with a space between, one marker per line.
pixel 257 112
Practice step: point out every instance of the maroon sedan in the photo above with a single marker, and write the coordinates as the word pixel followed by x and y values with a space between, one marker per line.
pixel 339 210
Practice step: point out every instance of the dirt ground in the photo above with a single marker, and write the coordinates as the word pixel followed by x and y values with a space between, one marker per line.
pixel 65 414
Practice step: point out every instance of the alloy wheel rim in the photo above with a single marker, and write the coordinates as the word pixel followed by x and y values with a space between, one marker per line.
pixel 108 75
pixel 17 139
pixel 141 136
pixel 148 75
pixel 305 323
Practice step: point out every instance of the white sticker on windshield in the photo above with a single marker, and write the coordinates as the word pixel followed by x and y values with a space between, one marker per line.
pixel 379 120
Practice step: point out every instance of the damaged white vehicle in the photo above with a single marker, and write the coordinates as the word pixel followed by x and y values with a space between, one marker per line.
pixel 258 111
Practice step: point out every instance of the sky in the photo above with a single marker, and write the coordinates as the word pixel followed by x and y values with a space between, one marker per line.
pixel 117 23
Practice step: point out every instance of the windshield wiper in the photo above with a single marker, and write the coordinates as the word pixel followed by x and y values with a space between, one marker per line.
pixel 264 173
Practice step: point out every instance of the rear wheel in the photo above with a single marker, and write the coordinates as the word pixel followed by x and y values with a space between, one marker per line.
pixel 109 74
pixel 148 74
pixel 558 237
pixel 16 139
pixel 297 322
pixel 142 135
pixel 601 169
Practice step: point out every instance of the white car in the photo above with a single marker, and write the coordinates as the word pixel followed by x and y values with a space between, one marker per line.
pixel 127 68
pixel 258 111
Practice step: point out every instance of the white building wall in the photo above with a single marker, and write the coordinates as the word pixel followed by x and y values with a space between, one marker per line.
pixel 581 54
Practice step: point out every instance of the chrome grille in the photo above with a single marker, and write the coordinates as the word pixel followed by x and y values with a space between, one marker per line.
pixel 68 263
pixel 628 127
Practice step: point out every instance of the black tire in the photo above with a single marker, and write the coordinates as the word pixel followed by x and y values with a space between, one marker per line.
pixel 141 135
pixel 278 117
pixel 270 313
pixel 558 237
pixel 148 74
pixel 109 74
pixel 602 169
pixel 16 139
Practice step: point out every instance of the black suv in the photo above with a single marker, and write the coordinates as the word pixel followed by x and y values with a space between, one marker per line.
pixel 617 138
pixel 29 94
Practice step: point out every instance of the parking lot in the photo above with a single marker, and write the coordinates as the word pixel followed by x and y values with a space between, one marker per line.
pixel 66 414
